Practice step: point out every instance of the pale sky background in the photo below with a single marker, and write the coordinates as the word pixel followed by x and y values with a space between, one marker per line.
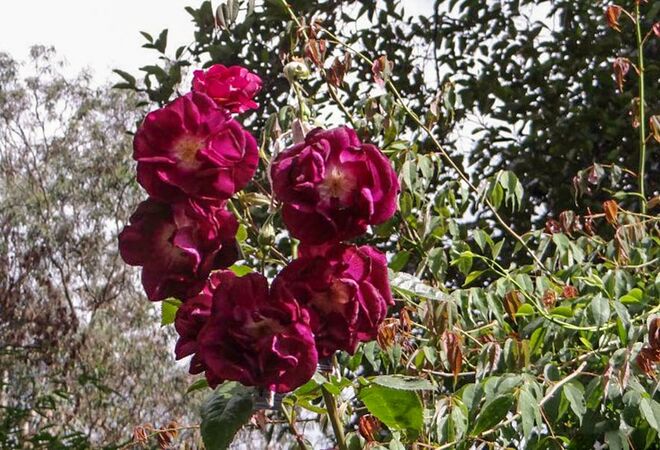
pixel 102 34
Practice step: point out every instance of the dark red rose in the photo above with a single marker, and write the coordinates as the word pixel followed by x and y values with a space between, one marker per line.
pixel 255 339
pixel 192 148
pixel 333 186
pixel 344 288
pixel 178 245
pixel 232 88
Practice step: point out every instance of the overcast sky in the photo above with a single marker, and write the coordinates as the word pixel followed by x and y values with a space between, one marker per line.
pixel 100 34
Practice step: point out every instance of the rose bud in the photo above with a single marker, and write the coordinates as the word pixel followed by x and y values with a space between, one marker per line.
pixel 333 186
pixel 192 148
pixel 232 88
pixel 178 245
pixel 369 428
pixel 345 291
pixel 254 338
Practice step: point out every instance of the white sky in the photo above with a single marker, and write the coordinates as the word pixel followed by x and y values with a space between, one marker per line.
pixel 101 34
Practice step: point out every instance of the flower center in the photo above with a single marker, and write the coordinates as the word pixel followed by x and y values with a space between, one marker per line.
pixel 334 299
pixel 262 327
pixel 336 184
pixel 186 150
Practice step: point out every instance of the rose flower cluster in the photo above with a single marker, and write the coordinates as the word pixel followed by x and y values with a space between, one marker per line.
pixel 192 156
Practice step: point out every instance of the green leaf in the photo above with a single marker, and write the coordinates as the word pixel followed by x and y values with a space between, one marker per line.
pixel 464 262
pixel 496 194
pixel 240 271
pixel 650 409
pixel 481 238
pixel 525 310
pixel 396 408
pixel 459 416
pixel 250 8
pixel 414 287
pixel 562 243
pixel 497 248
pixel 123 86
pixel 399 260
pixel 426 167
pixel 492 413
pixel 437 261
pixel 616 440
pixel 197 385
pixel 536 340
pixel 530 412
pixel 224 413
pixel 472 276
pixel 600 310
pixel 634 296
pixel 130 79
pixel 147 36
pixel 574 393
pixel 168 309
pixel 562 311
pixel 161 42
pixel 403 382
pixel 241 234
pixel 409 174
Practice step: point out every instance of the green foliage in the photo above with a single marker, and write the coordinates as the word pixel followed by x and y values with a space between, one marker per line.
pixel 399 409
pixel 224 412
pixel 509 328
pixel 168 309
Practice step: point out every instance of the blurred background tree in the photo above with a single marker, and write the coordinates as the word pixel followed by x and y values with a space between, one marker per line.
pixel 82 359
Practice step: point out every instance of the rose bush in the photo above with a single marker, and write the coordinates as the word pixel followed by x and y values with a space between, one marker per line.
pixel 193 148
pixel 332 186
pixel 501 336
pixel 232 88
pixel 178 245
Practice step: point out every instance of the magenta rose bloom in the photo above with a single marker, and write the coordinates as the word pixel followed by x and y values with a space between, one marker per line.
pixel 190 318
pixel 178 245
pixel 232 87
pixel 345 290
pixel 333 186
pixel 254 339
pixel 192 148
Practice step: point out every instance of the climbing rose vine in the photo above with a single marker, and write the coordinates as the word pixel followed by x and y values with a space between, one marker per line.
pixel 192 157
pixel 274 256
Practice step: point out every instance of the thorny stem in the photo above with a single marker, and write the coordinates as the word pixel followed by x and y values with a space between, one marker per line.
pixel 340 104
pixel 642 116
pixel 335 420
pixel 301 110
pixel 292 426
